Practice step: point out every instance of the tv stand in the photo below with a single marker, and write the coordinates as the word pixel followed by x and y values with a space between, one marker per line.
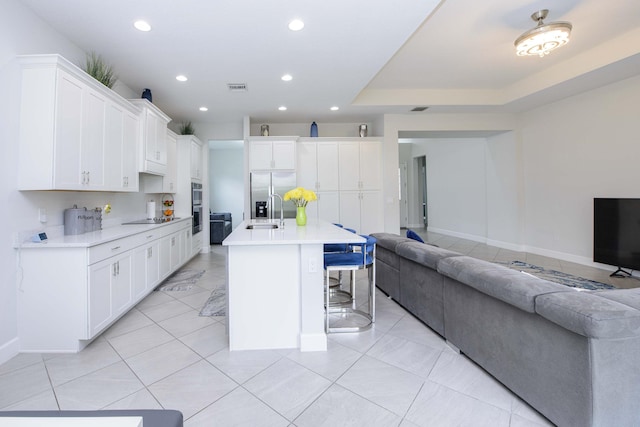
pixel 620 273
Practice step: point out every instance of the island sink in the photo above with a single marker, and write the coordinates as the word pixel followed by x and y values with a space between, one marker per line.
pixel 262 226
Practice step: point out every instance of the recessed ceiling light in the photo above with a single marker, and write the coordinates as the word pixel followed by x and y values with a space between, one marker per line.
pixel 282 108
pixel 296 25
pixel 204 109
pixel 142 25
pixel 181 78
pixel 287 77
pixel 334 108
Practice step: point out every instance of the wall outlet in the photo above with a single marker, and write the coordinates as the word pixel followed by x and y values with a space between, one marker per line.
pixel 42 215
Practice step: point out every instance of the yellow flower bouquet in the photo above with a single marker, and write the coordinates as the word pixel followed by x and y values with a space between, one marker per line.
pixel 300 196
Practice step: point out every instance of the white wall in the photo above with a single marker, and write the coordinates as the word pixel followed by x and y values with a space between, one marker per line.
pixel 324 129
pixel 574 150
pixel 456 188
pixel 226 178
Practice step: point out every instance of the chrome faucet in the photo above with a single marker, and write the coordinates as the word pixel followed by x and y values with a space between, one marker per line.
pixel 272 196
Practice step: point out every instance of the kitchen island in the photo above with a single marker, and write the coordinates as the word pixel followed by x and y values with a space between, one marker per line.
pixel 275 296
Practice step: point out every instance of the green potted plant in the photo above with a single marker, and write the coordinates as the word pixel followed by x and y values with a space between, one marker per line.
pixel 186 128
pixel 99 70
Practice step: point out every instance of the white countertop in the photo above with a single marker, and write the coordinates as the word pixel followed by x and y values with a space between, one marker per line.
pixel 314 232
pixel 98 237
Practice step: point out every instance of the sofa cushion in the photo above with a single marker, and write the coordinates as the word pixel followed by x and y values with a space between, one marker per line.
pixel 510 286
pixel 589 314
pixel 386 248
pixel 426 255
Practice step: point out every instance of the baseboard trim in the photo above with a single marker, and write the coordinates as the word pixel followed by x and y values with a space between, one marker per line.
pixel 9 350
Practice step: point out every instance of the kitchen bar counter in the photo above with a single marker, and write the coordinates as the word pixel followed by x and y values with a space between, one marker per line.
pixel 275 296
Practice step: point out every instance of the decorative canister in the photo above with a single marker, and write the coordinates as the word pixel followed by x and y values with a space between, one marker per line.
pixel 75 220
pixel 362 130
pixel 264 130
pixel 314 129
pixel 146 94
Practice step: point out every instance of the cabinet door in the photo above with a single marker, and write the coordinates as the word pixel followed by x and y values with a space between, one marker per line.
pixel 153 265
pixel 370 165
pixel 175 250
pixel 113 147
pixel 100 295
pixel 328 172
pixel 130 141
pixel 169 181
pixel 196 161
pixel 161 141
pixel 284 155
pixel 350 209
pixel 151 136
pixel 329 206
pixel 139 279
pixel 371 220
pixel 306 175
pixel 164 261
pixel 186 244
pixel 349 166
pixel 260 155
pixel 68 173
pixel 93 145
pixel 121 294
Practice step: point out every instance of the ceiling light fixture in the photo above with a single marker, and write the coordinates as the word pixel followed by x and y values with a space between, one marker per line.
pixel 544 37
pixel 334 108
pixel 181 78
pixel 296 25
pixel 204 109
pixel 142 25
pixel 287 77
pixel 282 108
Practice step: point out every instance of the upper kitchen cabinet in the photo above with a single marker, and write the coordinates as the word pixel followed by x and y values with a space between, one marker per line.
pixel 75 133
pixel 195 147
pixel 153 147
pixel 266 153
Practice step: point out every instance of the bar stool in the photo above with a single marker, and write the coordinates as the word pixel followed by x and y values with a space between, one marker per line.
pixel 338 295
pixel 362 257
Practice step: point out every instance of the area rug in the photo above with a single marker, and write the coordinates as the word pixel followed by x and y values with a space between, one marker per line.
pixel 216 305
pixel 181 280
pixel 566 279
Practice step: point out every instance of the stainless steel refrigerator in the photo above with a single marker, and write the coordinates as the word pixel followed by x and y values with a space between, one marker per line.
pixel 280 183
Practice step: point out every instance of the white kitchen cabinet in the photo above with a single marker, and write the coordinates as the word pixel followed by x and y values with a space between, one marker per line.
pixel 170 179
pixel 360 165
pixel 360 210
pixel 196 159
pixel 153 137
pixel 317 165
pixel 269 154
pixel 70 128
pixel 88 287
pixel 164 257
pixel 120 154
pixel 110 291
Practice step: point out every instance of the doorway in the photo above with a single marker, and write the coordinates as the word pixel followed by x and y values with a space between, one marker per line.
pixel 421 184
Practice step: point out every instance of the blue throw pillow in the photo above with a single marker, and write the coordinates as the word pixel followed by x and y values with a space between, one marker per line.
pixel 413 235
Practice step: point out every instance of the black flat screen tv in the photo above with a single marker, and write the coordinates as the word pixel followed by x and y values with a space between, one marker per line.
pixel 616 233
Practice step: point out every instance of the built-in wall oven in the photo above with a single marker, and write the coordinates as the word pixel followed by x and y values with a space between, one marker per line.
pixel 196 206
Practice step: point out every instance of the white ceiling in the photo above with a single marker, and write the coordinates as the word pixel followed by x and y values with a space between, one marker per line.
pixel 368 57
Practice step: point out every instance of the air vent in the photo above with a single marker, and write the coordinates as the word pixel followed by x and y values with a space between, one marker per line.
pixel 419 108
pixel 237 87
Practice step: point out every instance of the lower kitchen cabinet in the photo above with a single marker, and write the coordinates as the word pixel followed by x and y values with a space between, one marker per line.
pixel 69 293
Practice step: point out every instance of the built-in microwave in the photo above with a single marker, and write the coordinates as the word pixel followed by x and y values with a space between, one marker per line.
pixel 196 207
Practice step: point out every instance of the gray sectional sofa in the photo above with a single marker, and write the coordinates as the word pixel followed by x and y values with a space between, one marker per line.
pixel 572 355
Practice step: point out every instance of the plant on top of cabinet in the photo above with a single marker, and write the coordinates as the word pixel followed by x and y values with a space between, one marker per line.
pixel 186 128
pixel 99 70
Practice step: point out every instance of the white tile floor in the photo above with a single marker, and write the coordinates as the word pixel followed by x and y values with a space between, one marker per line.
pixel 163 355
